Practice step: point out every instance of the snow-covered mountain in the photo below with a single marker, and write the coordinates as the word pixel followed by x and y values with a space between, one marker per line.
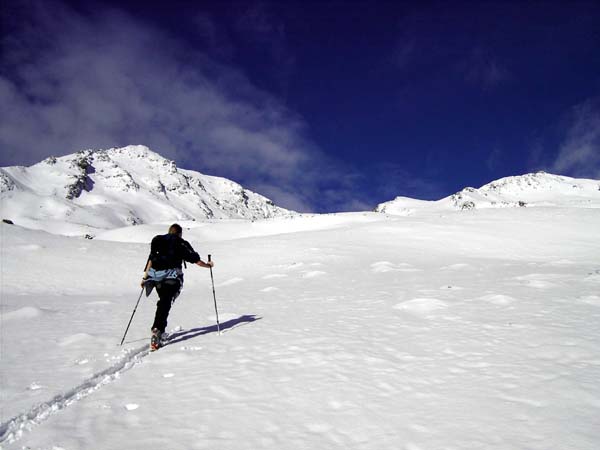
pixel 533 189
pixel 117 187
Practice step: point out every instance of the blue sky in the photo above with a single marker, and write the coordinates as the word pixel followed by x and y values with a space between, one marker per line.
pixel 322 106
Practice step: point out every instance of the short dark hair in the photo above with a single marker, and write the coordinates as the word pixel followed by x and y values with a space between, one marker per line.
pixel 176 229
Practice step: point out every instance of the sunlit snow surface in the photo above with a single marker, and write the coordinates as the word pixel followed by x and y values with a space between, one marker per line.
pixel 459 330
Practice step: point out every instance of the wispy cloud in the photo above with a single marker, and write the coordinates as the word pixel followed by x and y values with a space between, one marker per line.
pixel 494 159
pixel 436 42
pixel 258 25
pixel 483 69
pixel 579 154
pixel 537 157
pixel 216 39
pixel 71 81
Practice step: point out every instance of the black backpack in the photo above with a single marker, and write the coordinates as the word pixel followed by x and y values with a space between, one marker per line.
pixel 164 252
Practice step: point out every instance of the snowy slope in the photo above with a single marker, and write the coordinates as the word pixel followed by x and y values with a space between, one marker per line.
pixel 530 190
pixel 113 188
pixel 349 331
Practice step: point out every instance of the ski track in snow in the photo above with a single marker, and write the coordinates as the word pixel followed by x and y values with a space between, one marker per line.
pixel 479 347
pixel 13 430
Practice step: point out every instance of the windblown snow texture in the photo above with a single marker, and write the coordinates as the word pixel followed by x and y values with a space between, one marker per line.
pixel 365 330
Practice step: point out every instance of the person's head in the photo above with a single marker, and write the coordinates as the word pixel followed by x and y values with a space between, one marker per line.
pixel 175 229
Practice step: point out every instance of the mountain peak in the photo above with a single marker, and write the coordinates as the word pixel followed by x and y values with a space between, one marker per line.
pixel 132 151
pixel 528 190
pixel 122 186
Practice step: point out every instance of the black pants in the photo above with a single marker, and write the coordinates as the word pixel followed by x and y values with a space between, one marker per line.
pixel 168 291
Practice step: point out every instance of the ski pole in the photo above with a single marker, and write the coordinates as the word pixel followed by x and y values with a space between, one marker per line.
pixel 215 297
pixel 132 314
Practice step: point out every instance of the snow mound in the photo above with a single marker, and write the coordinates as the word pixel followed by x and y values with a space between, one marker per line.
pixel 382 267
pixel 404 206
pixel 421 306
pixel 25 313
pixel 529 190
pixel 591 300
pixel 498 299
pixel 269 289
pixel 75 339
pixel 313 274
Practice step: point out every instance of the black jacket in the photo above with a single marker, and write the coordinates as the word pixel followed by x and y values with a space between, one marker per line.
pixel 167 251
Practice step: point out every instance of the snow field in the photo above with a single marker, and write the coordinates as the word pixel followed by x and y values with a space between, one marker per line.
pixel 455 331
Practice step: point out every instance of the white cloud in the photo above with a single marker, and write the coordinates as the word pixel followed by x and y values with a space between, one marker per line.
pixel 579 154
pixel 73 82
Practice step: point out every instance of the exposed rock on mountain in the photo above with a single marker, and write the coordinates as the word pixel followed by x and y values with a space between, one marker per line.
pixel 118 187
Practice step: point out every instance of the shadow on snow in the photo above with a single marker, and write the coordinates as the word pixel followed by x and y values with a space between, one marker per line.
pixel 181 336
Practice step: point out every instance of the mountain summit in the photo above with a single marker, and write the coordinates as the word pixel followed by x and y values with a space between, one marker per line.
pixel 529 190
pixel 118 187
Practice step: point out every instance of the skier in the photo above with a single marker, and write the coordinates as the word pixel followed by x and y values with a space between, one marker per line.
pixel 163 271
